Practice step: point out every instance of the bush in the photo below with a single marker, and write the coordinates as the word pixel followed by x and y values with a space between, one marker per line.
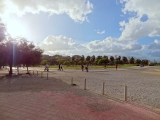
pixel 151 64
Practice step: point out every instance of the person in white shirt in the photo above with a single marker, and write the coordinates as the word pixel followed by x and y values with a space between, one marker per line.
pixel 61 67
pixel 46 67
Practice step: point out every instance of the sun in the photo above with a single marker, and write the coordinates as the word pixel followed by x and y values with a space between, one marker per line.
pixel 16 28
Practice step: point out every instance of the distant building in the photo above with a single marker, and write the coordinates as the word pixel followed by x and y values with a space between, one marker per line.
pixel 61 57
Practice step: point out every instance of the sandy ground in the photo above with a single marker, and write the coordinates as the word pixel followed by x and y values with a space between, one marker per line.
pixel 143 84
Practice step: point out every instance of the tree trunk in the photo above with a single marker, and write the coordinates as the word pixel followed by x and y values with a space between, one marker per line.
pixel 18 69
pixel 27 69
pixel 10 71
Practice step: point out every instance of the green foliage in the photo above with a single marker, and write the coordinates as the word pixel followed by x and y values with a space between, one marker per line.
pixel 151 64
pixel 138 61
pixel 88 58
pixel 111 58
pixel 52 61
pixel 145 62
pixel 132 60
pixel 99 57
pixel 30 55
pixel 66 63
pixel 125 60
pixel 82 58
pixel 19 51
pixel 44 62
pixel 60 61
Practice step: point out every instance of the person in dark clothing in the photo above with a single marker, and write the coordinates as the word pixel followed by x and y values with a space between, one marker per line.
pixel 82 67
pixel 59 67
pixel 86 68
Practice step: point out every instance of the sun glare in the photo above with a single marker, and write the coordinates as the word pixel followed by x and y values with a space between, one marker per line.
pixel 15 28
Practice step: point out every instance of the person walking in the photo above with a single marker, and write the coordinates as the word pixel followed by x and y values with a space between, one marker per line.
pixel 82 67
pixel 116 66
pixel 86 68
pixel 46 67
pixel 61 67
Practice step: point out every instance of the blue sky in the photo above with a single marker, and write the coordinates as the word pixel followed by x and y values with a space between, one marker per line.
pixel 87 27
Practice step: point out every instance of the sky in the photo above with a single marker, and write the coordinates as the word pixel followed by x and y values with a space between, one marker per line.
pixel 128 28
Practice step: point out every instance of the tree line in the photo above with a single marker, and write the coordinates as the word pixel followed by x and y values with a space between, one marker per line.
pixel 17 51
pixel 93 60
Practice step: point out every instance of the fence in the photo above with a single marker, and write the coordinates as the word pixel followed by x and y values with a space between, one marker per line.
pixel 110 90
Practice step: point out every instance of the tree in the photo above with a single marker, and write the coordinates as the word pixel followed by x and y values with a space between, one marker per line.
pixel 60 61
pixel 82 58
pixel 131 60
pixel 145 62
pixel 30 55
pixel 105 60
pixel 66 63
pixel 138 61
pixel 11 51
pixel 2 54
pixel 2 31
pixel 124 59
pixel 105 56
pixel 88 58
pixel 73 60
pixel 44 62
pixel 2 45
pixel 99 57
pixel 52 61
pixel 93 59
pixel 99 61
pixel 119 58
pixel 112 59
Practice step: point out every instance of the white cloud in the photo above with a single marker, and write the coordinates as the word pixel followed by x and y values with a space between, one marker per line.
pixel 75 9
pixel 100 32
pixel 155 45
pixel 135 28
pixel 62 45
pixel 155 53
pixel 112 45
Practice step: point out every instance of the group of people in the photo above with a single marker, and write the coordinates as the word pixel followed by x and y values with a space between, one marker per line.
pixel 82 67
pixel 60 67
pixel 86 67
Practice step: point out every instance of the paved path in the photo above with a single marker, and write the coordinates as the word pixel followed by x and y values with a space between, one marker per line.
pixel 35 98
